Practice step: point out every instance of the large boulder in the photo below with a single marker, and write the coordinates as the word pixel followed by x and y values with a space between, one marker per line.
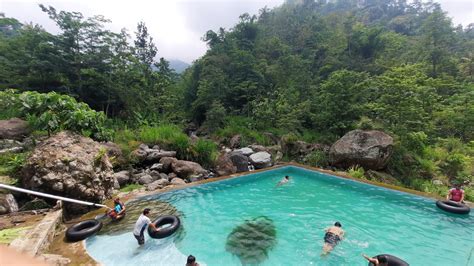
pixel 245 151
pixel 224 165
pixel 70 165
pixel 166 164
pixel 7 203
pixel 158 184
pixel 122 177
pixel 240 161
pixel 369 149
pixel 144 153
pixel 261 159
pixel 14 128
pixel 186 169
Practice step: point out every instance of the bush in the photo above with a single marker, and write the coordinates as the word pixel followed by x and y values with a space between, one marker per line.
pixel 244 126
pixel 53 112
pixel 318 159
pixel 356 172
pixel 204 152
pixel 11 163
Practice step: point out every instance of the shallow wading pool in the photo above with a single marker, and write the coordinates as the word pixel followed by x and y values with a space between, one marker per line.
pixel 376 220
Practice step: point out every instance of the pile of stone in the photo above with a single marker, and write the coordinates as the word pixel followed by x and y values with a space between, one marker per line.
pixel 243 160
pixel 157 168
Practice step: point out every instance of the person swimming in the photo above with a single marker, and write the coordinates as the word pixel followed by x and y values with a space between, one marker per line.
pixel 284 180
pixel 333 236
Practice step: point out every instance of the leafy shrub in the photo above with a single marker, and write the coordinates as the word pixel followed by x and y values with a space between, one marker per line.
pixel 453 164
pixel 215 116
pixel 204 152
pixel 318 159
pixel 54 112
pixel 356 172
pixel 11 163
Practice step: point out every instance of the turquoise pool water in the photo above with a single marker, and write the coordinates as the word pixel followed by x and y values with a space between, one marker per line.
pixel 376 220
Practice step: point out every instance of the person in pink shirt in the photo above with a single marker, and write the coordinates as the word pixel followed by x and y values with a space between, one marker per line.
pixel 456 194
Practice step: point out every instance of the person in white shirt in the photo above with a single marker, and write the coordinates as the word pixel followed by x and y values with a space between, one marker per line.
pixel 140 226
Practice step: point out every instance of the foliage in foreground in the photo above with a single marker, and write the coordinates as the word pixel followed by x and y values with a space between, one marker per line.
pixel 53 112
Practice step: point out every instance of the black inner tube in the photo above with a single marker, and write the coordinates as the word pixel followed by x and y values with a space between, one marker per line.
pixel 453 207
pixel 166 231
pixel 83 229
pixel 392 260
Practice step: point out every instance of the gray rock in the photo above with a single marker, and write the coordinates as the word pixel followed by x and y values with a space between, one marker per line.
pixel 258 148
pixel 14 128
pixel 7 203
pixel 177 181
pixel 261 159
pixel 160 183
pixel 155 174
pixel 166 162
pixel 163 176
pixel 234 142
pixel 171 176
pixel 157 166
pixel 146 179
pixel 437 182
pixel 245 151
pixel 240 161
pixel 143 147
pixel 156 155
pixel 89 178
pixel 224 165
pixel 370 149
pixel 123 177
pixel 185 169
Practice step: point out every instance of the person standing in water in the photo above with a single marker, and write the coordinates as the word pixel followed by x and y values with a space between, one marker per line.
pixel 333 236
pixel 140 226
pixel 284 180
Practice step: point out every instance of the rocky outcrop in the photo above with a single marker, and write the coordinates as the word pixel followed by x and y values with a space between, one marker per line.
pixel 261 159
pixel 15 146
pixel 166 164
pixel 187 169
pixel 224 165
pixel 70 165
pixel 240 161
pixel 369 149
pixel 14 128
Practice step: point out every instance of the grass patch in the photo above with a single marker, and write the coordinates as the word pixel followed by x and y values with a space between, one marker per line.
pixel 130 187
pixel 8 235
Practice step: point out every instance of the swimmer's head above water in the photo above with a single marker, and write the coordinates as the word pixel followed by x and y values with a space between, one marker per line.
pixel 338 224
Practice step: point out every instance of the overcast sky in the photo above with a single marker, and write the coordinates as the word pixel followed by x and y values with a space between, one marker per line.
pixel 176 26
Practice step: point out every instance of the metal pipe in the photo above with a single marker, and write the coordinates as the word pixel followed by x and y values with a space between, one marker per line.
pixel 52 196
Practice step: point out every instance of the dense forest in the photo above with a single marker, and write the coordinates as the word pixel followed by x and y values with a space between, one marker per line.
pixel 306 70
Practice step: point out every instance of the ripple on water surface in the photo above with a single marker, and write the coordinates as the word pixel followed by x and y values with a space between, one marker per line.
pixel 376 220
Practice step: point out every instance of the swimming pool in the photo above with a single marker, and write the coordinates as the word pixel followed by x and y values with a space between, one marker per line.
pixel 376 220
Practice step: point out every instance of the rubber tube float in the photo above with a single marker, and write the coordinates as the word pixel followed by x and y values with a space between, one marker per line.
pixel 83 230
pixel 392 260
pixel 166 231
pixel 453 207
